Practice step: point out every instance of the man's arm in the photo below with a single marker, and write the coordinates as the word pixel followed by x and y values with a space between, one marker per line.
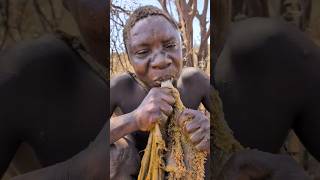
pixel 17 67
pixel 91 163
pixel 254 164
pixel 9 129
pixel 208 89
pixel 199 83
pixel 198 129
pixel 121 126
pixel 155 106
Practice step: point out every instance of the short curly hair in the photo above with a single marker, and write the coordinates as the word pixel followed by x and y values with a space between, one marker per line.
pixel 141 13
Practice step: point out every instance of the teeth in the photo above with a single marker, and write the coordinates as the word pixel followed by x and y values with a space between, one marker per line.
pixel 167 83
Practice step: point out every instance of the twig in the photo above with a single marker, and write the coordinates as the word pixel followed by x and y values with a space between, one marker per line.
pixel 43 19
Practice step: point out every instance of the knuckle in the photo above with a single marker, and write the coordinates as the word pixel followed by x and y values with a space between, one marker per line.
pixel 153 108
pixel 206 128
pixel 149 108
pixel 200 146
pixel 191 136
pixel 153 100
pixel 188 126
pixel 152 91
pixel 153 118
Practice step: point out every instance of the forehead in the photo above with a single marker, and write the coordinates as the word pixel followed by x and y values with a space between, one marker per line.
pixel 152 28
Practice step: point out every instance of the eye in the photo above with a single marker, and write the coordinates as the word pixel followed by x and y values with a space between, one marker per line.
pixel 142 52
pixel 171 45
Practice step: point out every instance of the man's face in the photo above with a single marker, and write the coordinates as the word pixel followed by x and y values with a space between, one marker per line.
pixel 154 49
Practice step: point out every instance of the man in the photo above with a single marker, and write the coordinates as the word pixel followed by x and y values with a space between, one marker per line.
pixel 268 80
pixel 154 48
pixel 53 97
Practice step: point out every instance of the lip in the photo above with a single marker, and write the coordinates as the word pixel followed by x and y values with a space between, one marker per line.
pixel 158 80
pixel 164 78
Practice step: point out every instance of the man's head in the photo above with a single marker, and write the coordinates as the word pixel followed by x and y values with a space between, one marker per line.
pixel 153 44
pixel 91 17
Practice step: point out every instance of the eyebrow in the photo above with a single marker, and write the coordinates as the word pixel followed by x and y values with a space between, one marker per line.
pixel 146 43
pixel 170 39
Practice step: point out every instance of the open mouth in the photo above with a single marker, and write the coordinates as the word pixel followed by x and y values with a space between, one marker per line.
pixel 162 79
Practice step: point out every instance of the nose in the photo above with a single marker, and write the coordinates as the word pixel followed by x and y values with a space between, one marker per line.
pixel 161 61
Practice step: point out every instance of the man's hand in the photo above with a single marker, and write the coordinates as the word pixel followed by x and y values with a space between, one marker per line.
pixel 156 107
pixel 253 164
pixel 197 127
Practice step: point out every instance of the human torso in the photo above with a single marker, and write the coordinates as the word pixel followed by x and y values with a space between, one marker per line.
pixel 60 101
pixel 133 93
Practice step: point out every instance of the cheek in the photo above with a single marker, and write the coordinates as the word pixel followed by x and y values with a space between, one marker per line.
pixel 178 59
pixel 140 68
pixel 178 63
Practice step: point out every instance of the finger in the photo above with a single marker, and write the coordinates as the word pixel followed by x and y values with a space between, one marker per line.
pixel 158 90
pixel 185 116
pixel 192 126
pixel 204 145
pixel 205 124
pixel 168 99
pixel 166 108
pixel 166 90
pixel 182 119
pixel 164 94
pixel 197 136
pixel 154 119
pixel 151 123
pixel 163 119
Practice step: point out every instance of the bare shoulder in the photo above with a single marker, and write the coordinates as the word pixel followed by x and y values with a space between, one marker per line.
pixel 123 80
pixel 42 53
pixel 120 87
pixel 193 76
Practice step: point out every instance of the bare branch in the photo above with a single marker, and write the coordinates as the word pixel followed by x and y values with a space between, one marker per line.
pixel 53 14
pixel 121 9
pixel 6 24
pixel 164 5
pixel 194 8
pixel 21 19
pixel 43 19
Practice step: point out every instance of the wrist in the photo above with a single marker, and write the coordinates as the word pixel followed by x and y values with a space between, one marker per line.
pixel 122 125
pixel 133 121
pixel 91 163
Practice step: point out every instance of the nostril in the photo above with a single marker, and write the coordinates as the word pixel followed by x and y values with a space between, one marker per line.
pixel 161 61
pixel 169 63
pixel 162 64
